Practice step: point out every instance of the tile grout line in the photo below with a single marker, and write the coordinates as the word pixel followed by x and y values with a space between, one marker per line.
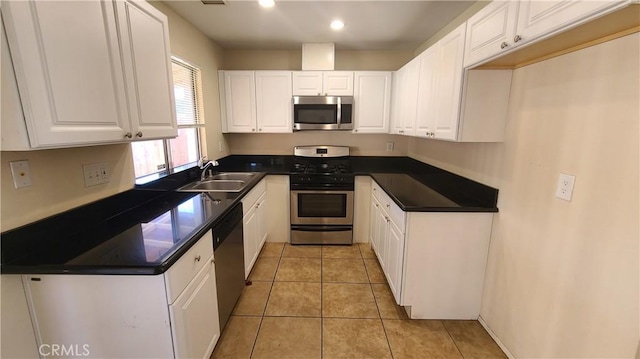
pixel 255 341
pixel 321 306
pixel 384 330
pixel 452 339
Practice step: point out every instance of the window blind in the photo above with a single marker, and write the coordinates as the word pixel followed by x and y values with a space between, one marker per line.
pixel 186 91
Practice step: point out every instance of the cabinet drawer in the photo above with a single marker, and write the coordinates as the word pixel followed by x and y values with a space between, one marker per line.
pixel 376 190
pixel 182 272
pixel 396 214
pixel 253 196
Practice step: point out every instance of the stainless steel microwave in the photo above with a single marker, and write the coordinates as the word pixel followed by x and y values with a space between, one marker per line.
pixel 322 113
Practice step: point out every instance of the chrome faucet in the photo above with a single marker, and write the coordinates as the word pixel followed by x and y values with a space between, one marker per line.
pixel 204 166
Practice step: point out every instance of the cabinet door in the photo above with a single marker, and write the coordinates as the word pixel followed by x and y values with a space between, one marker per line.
pixel 383 235
pixel 273 100
pixel 194 316
pixel 307 83
pixel 250 235
pixel 539 18
pixel 427 92
pixel 145 49
pixel 115 316
pixel 372 99
pixel 337 83
pixel 490 31
pixel 449 84
pixel 69 71
pixel 409 99
pixel 261 213
pixel 394 263
pixel 240 97
pixel 397 125
pixel 374 234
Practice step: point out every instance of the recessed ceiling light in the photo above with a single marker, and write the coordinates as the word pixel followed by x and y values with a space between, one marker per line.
pixel 337 24
pixel 266 3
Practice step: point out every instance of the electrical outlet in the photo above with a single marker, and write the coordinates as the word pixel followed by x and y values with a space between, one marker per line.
pixel 21 173
pixel 220 146
pixel 389 146
pixel 565 186
pixel 95 174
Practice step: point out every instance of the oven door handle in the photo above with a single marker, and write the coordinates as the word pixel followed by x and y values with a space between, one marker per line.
pixel 321 228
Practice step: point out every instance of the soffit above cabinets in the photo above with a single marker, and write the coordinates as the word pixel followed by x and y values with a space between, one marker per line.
pixel 369 24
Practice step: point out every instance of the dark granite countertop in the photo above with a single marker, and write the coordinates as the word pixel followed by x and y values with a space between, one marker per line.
pixel 145 230
pixel 142 231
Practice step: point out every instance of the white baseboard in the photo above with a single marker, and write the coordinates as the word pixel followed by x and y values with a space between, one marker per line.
pixel 495 338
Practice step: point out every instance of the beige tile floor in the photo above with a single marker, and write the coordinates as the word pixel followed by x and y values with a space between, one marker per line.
pixel 334 302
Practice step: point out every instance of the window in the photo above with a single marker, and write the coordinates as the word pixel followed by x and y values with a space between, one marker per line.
pixel 157 158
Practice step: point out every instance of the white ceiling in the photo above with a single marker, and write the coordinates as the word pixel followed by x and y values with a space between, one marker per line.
pixel 369 24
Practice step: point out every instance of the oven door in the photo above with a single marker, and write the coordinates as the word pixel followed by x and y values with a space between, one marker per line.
pixel 324 207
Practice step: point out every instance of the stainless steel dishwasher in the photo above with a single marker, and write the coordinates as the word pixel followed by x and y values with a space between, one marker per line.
pixel 228 248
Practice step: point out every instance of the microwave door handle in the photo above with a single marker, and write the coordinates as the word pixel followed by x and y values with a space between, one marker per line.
pixel 339 109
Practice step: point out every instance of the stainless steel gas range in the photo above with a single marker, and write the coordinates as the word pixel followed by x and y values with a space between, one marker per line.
pixel 321 184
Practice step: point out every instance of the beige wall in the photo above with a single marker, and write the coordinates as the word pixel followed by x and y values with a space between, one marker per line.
pixel 292 60
pixel 58 181
pixel 563 277
pixel 191 45
pixel 282 144
pixel 452 25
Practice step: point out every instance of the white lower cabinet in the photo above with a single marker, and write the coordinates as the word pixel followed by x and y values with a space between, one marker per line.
pixel 387 232
pixel 194 319
pixel 434 262
pixel 129 316
pixel 254 225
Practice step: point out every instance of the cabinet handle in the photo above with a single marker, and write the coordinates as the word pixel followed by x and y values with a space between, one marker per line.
pixel 503 45
pixel 386 219
pixel 319 94
pixel 355 130
pixel 388 205
pixel 517 38
pixel 198 258
pixel 253 130
pixel 139 134
pixel 401 131
pixel 260 129
pixel 128 135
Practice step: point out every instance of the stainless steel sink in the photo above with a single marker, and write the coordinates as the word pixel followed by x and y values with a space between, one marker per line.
pixel 240 176
pixel 221 182
pixel 214 186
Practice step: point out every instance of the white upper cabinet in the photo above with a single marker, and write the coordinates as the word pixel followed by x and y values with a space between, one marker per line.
pixel 337 83
pixel 490 31
pixel 78 85
pixel 70 77
pixel 256 101
pixel 405 98
pixel 372 97
pixel 273 101
pixel 449 84
pixel 541 18
pixel 503 26
pixel 323 83
pixel 427 92
pixel 240 101
pixel 145 48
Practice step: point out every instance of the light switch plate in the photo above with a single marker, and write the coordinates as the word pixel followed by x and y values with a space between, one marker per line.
pixel 21 173
pixel 95 174
pixel 565 186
